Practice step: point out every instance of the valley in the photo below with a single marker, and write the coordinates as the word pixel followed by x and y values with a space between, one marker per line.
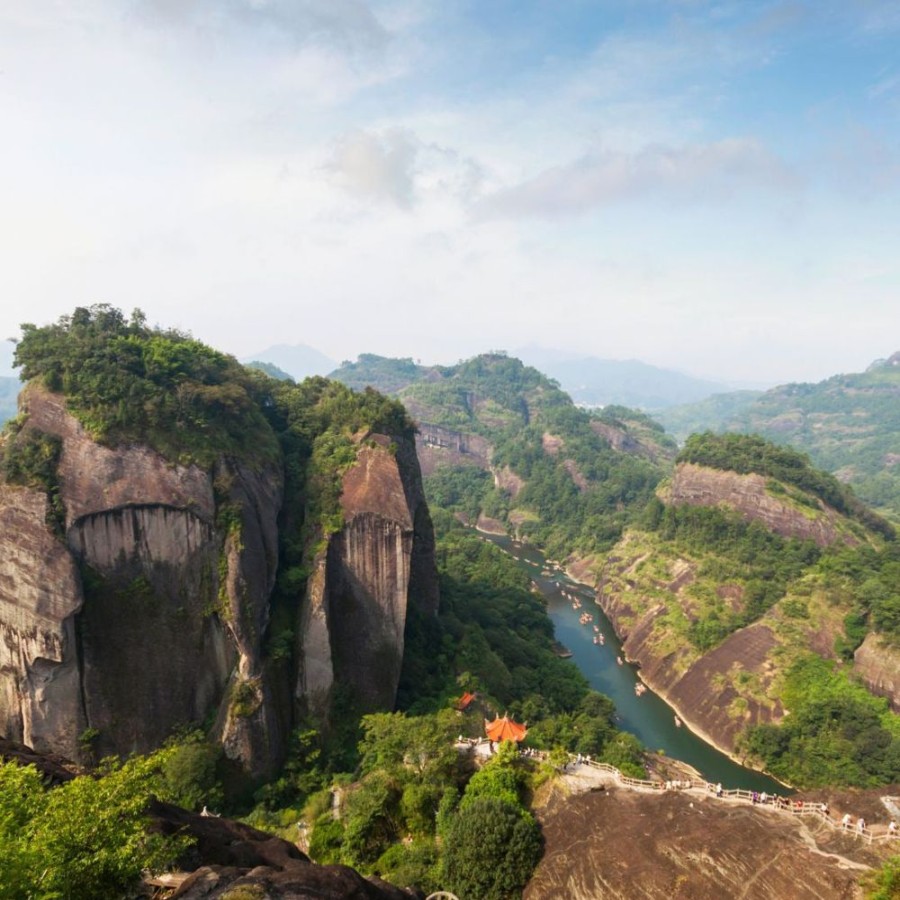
pixel 334 624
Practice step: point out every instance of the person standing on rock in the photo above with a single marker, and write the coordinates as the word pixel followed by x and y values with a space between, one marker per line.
pixel 845 822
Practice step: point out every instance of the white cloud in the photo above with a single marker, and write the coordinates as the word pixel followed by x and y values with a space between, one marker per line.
pixel 377 166
pixel 704 173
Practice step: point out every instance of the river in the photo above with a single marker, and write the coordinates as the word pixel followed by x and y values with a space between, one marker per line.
pixel 648 717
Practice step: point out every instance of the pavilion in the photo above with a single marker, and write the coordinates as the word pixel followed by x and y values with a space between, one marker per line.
pixel 504 729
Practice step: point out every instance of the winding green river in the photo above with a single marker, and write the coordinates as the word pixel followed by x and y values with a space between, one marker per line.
pixel 648 717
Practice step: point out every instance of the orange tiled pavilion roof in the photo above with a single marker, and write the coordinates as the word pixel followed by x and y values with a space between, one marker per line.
pixel 504 729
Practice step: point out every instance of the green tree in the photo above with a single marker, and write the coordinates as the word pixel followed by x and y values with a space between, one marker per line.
pixel 88 838
pixel 490 850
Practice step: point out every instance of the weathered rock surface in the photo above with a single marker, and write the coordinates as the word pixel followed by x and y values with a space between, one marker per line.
pixel 55 769
pixel 94 478
pixel 694 684
pixel 878 665
pixel 701 486
pixel 295 881
pixel 40 593
pixel 437 446
pixel 373 569
pixel 151 610
pixel 621 844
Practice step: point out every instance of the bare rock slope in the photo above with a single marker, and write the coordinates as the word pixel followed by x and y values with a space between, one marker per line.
pixel 631 846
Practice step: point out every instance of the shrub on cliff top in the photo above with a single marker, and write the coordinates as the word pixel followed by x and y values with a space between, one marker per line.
pixel 125 381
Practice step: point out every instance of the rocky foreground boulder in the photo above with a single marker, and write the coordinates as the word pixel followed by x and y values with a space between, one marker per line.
pixel 231 859
pixel 626 845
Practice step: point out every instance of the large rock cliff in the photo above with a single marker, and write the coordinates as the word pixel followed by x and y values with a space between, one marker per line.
pixel 752 496
pixel 147 608
pixel 877 663
pixel 380 562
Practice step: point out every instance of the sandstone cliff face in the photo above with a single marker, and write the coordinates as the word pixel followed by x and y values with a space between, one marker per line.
pixel 40 593
pixel 701 688
pixel 625 845
pixel 878 665
pixel 652 600
pixel 437 446
pixel 151 609
pixel 372 570
pixel 700 486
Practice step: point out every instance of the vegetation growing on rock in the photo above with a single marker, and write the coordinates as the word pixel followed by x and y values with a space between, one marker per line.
pixel 848 424
pixel 85 839
pixel 746 453
pixel 126 381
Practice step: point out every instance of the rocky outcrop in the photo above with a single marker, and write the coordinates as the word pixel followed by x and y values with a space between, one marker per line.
pixel 507 481
pixel 619 439
pixel 227 856
pixel 94 478
pixel 701 486
pixel 378 564
pixel 150 610
pixel 621 844
pixel 877 664
pixel 701 688
pixel 438 446
pixel 40 594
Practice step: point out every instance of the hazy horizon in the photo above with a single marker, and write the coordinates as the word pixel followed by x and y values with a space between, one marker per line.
pixel 709 187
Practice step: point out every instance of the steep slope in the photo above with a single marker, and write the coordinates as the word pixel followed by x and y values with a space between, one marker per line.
pixel 161 508
pixel 735 577
pixel 849 425
pixel 621 844
pixel 502 445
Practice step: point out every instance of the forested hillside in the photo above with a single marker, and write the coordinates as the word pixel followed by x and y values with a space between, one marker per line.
pixel 502 441
pixel 733 616
pixel 849 425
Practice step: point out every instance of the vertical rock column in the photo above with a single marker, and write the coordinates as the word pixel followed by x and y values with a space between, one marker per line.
pixel 353 622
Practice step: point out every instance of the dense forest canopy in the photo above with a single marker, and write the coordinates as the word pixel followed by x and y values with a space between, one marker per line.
pixel 126 381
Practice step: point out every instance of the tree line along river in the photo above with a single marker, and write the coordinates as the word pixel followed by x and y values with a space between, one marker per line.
pixel 647 716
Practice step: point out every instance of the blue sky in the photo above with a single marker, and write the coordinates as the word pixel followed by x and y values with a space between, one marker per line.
pixel 711 186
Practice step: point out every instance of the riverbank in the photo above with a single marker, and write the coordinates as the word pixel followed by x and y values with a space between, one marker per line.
pixel 649 717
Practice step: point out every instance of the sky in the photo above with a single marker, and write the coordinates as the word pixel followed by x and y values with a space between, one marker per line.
pixel 707 186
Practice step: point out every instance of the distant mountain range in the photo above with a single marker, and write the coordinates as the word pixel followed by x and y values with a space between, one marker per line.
pixel 592 381
pixel 297 360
